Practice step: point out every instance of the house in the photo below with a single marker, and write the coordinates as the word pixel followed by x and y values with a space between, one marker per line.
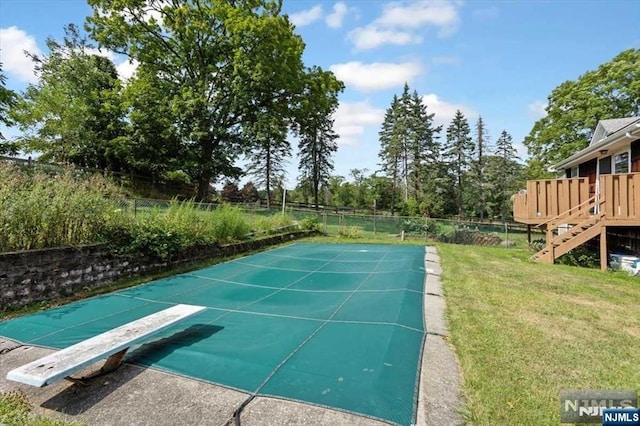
pixel 597 197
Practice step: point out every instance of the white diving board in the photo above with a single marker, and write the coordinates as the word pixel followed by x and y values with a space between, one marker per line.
pixel 113 344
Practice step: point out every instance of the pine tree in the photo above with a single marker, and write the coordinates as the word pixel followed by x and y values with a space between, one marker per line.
pixel 409 149
pixel 425 148
pixel 390 147
pixel 458 153
pixel 503 175
pixel 479 168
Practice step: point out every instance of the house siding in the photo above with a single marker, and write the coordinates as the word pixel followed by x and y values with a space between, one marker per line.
pixel 635 156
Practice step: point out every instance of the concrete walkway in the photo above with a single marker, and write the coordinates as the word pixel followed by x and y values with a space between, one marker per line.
pixel 439 400
pixel 143 396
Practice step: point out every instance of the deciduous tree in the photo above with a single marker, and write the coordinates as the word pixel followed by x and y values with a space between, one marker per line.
pixel 220 61
pixel 575 107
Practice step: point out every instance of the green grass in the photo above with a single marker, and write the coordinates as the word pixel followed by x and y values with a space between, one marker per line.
pixel 15 410
pixel 523 331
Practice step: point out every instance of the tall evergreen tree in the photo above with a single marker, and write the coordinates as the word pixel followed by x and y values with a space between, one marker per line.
pixel 425 148
pixel 503 175
pixel 391 148
pixel 458 154
pixel 478 201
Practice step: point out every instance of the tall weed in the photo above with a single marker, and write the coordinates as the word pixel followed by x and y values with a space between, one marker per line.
pixel 40 210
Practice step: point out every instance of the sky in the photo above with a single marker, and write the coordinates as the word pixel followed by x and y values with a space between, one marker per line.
pixel 495 59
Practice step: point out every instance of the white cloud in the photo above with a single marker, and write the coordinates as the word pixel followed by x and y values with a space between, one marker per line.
pixel 537 109
pixel 377 75
pixel 334 20
pixel 417 14
pixel 101 52
pixel 126 69
pixel 13 43
pixel 445 111
pixel 370 37
pixel 306 17
pixel 352 119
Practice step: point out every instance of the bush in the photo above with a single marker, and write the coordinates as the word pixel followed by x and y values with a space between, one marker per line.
pixel 310 223
pixel 580 256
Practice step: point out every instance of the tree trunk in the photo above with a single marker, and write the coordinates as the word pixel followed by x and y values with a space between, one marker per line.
pixel 268 178
pixel 206 172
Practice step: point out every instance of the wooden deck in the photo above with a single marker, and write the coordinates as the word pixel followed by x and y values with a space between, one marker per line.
pixel 549 198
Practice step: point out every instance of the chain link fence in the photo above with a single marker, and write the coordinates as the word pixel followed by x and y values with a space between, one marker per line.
pixel 350 225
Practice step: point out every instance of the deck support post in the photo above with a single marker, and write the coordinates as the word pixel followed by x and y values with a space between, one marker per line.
pixel 528 234
pixel 603 249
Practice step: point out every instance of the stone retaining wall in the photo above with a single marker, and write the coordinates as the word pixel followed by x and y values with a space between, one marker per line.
pixel 42 275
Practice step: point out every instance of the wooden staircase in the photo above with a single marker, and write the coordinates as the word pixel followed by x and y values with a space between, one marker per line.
pixel 589 216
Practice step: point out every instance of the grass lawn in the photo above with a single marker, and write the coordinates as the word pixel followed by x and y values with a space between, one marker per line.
pixel 523 331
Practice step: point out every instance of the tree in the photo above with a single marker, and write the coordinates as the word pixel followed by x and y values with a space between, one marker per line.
pixel 230 193
pixel 74 113
pixel 458 153
pixel 314 128
pixel 390 147
pixel 479 168
pixel 249 193
pixel 408 144
pixel 359 190
pixel 503 176
pixel 7 100
pixel 153 147
pixel 424 146
pixel 575 107
pixel 221 62
pixel 270 151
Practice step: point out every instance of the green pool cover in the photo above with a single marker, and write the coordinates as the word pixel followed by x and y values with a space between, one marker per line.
pixel 329 324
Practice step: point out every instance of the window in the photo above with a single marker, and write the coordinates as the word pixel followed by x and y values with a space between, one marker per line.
pixel 621 162
pixel 574 172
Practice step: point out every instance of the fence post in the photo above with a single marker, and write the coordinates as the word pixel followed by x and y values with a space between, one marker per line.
pixel 324 221
pixel 374 217
pixel 506 233
pixel 135 206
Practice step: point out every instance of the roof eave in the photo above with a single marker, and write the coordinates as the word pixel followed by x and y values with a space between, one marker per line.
pixel 629 131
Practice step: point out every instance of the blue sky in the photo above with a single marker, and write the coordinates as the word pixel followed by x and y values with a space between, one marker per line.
pixel 498 59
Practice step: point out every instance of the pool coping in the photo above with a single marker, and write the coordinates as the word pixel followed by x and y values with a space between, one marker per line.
pixel 439 396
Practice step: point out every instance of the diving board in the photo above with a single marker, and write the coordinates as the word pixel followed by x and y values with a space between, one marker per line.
pixel 112 344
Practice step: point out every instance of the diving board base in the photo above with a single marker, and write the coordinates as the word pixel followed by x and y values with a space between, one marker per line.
pixel 112 345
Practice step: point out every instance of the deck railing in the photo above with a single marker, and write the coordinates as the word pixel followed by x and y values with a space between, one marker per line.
pixel 622 196
pixel 546 199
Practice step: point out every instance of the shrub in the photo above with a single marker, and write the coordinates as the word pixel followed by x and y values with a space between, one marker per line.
pixel 310 223
pixel 580 256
